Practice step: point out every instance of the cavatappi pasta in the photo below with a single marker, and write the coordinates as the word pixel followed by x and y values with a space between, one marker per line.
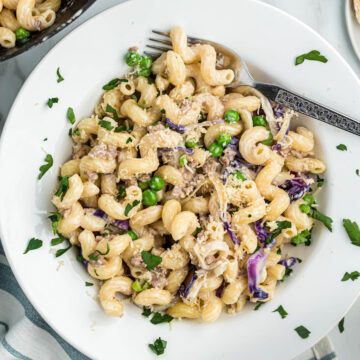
pixel 19 17
pixel 182 193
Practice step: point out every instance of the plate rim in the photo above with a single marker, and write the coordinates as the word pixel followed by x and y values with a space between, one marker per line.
pixel 65 336
pixel 350 23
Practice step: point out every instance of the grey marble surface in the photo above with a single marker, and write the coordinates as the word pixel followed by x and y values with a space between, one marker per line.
pixel 324 16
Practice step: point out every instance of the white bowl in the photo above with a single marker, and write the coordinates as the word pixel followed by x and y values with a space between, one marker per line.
pixel 89 57
pixel 352 25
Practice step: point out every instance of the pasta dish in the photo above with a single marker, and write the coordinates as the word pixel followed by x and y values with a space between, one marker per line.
pixel 19 17
pixel 183 194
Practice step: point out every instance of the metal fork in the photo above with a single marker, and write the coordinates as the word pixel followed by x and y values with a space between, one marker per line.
pixel 276 93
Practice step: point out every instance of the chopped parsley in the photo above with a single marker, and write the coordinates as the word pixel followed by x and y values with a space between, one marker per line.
pixel 302 331
pixel 134 98
pixel 278 251
pixel 62 251
pixel 288 271
pixel 150 81
pixel 44 168
pixel 183 160
pixel 33 245
pixel 70 115
pixel 106 124
pixel 327 221
pixel 258 306
pixel 163 111
pixel 301 238
pixel 60 78
pixel 159 346
pixel 311 55
pixel 93 256
pixel 129 207
pixel 129 140
pixel 111 110
pixel 353 231
pixel 150 260
pixel 58 240
pixel 353 276
pixel 52 101
pixel 112 84
pixel 138 287
pixel 121 194
pixel 146 312
pixel 54 218
pixel 107 250
pixel 159 319
pixel 120 128
pixel 70 132
pixel 45 139
pixel 198 231
pixel 88 283
pixel 63 187
pixel 283 313
pixel 319 180
pixel 281 225
pixel 341 325
pixel 342 147
pixel 80 258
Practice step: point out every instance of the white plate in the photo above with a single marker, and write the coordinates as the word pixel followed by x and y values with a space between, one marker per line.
pixel 353 26
pixel 89 57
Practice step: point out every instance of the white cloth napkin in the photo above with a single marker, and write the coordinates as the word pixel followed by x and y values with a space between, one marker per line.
pixel 25 335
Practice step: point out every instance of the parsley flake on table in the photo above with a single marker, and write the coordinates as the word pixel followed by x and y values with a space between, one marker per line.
pixel 159 346
pixel 258 306
pixel 302 331
pixel 60 78
pixel 159 318
pixel 70 115
pixel 283 313
pixel 52 101
pixel 62 251
pixel 353 231
pixel 341 325
pixel 353 276
pixel 44 168
pixel 33 245
pixel 327 221
pixel 313 55
pixel 342 147
pixel 150 260
pixel 146 312
pixel 58 240
pixel 88 283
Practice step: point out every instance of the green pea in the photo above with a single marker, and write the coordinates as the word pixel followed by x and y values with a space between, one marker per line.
pixel 132 234
pixel 191 143
pixel 156 183
pixel 144 72
pixel 223 139
pixel 259 121
pixel 239 175
pixel 143 185
pixel 232 116
pixel 21 34
pixel 215 149
pixel 132 58
pixel 149 197
pixel 309 199
pixel 145 62
pixel 269 140
pixel 304 208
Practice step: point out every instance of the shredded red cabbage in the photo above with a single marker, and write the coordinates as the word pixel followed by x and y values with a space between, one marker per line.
pixel 187 150
pixel 255 266
pixel 289 262
pixel 122 224
pixel 296 188
pixel 233 237
pixel 276 147
pixel 188 282
pixel 179 128
pixel 101 214
pixel 278 110
pixel 220 290
pixel 260 231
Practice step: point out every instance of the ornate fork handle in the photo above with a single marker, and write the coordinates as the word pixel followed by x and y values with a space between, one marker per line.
pixel 308 107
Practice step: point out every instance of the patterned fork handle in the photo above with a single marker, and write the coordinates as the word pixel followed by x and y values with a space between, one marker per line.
pixel 308 107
